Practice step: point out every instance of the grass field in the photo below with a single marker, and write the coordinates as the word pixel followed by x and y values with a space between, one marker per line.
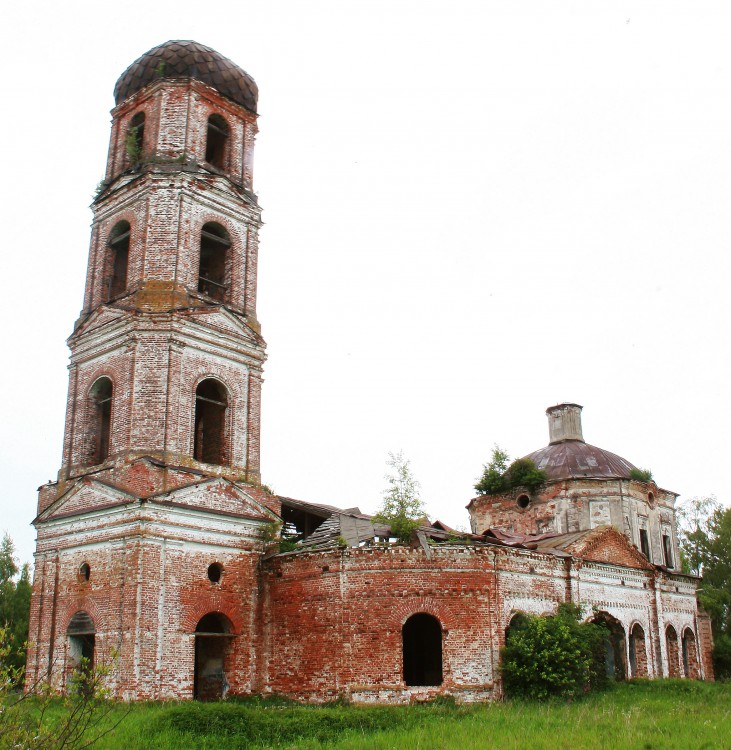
pixel 642 715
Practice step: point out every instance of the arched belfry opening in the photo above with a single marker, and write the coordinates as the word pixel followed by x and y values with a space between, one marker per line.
pixel 118 260
pixel 213 635
pixel 216 141
pixel 422 647
pixel 135 137
pixel 211 404
pixel 81 635
pixel 213 268
pixel 614 646
pixel 101 395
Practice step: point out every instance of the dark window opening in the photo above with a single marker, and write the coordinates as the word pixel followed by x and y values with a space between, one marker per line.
pixel 101 397
pixel 667 550
pixel 523 502
pixel 645 543
pixel 614 646
pixel 214 261
pixel 214 572
pixel 212 639
pixel 422 644
pixel 690 655
pixel 210 423
pixel 135 137
pixel 119 259
pixel 84 572
pixel 216 141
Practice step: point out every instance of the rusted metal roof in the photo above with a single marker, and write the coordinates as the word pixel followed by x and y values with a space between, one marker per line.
pixel 188 59
pixel 574 459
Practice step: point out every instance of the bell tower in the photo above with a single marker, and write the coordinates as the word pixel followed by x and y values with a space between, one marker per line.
pixel 166 356
pixel 160 475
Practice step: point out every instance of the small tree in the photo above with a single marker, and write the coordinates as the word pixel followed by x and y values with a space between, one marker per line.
pixel 557 656
pixel 493 479
pixel 14 603
pixel 705 543
pixel 37 719
pixel 402 508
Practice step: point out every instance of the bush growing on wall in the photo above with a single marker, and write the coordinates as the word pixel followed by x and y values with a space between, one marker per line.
pixel 557 656
pixel 498 477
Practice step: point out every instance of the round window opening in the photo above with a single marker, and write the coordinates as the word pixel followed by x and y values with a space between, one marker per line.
pixel 523 501
pixel 214 572
pixel 84 572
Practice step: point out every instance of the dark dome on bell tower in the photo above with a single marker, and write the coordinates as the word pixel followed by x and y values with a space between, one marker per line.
pixel 188 59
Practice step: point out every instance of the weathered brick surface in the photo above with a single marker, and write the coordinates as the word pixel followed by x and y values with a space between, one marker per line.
pixel 150 520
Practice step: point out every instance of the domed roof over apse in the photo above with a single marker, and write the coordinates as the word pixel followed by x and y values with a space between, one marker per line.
pixel 188 59
pixel 569 457
pixel 574 459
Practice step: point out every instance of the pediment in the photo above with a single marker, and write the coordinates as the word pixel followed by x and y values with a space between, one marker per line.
pixel 216 495
pixel 85 496
pixel 605 544
pixel 221 320
pixel 99 318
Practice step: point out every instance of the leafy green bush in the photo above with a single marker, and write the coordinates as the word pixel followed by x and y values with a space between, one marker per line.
pixel 524 473
pixel 497 477
pixel 556 656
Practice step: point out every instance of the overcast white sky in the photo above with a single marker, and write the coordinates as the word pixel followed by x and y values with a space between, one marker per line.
pixel 474 210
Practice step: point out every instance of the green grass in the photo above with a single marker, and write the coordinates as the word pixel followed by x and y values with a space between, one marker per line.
pixel 639 715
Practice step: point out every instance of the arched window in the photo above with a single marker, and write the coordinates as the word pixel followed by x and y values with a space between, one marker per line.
pixel 101 420
pixel 422 644
pixel 118 259
pixel 213 269
pixel 135 137
pixel 212 638
pixel 671 645
pixel 216 139
pixel 637 652
pixel 209 444
pixel 690 655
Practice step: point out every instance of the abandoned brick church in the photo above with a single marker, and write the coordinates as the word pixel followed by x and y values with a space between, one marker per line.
pixel 158 542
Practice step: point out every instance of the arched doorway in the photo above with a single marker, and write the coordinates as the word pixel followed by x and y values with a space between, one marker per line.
pixel 690 655
pixel 213 635
pixel 81 635
pixel 671 645
pixel 422 646
pixel 517 622
pixel 637 652
pixel 614 646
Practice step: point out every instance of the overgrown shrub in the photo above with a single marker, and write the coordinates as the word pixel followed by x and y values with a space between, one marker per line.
pixel 497 477
pixel 556 656
pixel 641 475
pixel 524 473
